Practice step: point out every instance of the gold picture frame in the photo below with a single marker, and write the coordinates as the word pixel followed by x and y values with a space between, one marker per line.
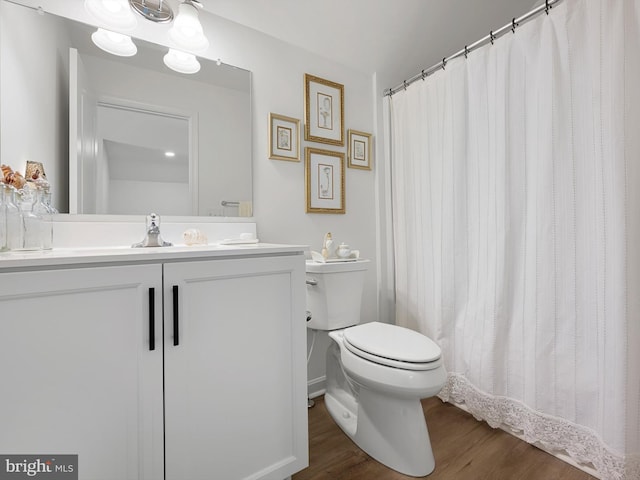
pixel 284 138
pixel 359 150
pixel 324 181
pixel 323 111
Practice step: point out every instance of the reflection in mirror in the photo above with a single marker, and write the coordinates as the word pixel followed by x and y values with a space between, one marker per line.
pixel 144 169
pixel 105 127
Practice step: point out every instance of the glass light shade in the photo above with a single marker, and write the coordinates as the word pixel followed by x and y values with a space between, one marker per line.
pixel 114 43
pixel 115 14
pixel 187 32
pixel 181 62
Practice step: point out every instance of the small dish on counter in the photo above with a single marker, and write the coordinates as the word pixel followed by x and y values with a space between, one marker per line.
pixel 238 241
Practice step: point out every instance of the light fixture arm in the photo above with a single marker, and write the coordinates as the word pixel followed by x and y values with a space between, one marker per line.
pixel 157 11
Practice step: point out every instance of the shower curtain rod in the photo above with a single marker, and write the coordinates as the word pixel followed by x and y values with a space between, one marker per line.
pixel 548 4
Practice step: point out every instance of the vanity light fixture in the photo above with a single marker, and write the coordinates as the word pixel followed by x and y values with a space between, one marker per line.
pixel 181 62
pixel 187 32
pixel 114 43
pixel 119 15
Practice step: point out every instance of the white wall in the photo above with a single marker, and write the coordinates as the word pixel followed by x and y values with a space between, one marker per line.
pixel 279 193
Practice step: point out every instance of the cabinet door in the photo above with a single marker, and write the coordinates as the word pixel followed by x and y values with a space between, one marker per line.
pixel 77 372
pixel 235 383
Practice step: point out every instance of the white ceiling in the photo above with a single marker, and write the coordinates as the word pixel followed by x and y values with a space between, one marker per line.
pixel 396 39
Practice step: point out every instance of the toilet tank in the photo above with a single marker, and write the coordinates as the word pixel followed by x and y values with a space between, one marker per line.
pixel 334 293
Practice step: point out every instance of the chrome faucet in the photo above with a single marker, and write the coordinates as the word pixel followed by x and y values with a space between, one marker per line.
pixel 152 238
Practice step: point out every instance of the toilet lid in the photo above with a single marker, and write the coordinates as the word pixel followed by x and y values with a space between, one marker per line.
pixel 404 348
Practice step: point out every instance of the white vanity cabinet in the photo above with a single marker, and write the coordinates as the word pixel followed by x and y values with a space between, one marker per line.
pixel 225 398
pixel 235 397
pixel 76 372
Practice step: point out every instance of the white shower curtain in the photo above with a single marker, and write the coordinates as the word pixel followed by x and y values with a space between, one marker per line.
pixel 516 213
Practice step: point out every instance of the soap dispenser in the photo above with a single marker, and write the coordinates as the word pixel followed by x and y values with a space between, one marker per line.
pixel 14 232
pixel 30 222
pixel 45 212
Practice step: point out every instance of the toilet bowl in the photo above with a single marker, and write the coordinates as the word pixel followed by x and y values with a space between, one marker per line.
pixel 377 373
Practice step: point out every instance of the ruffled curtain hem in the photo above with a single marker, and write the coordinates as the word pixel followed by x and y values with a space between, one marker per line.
pixel 556 435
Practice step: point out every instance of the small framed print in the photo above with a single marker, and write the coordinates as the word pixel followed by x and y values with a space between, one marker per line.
pixel 323 111
pixel 324 181
pixel 284 138
pixel 359 151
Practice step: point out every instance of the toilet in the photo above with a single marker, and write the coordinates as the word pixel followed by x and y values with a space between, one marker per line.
pixel 377 373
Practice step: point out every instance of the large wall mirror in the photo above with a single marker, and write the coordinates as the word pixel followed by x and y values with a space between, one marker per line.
pixel 121 135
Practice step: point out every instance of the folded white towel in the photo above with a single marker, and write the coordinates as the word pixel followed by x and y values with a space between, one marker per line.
pixel 245 209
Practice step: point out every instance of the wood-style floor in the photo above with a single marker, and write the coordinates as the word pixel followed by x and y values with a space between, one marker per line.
pixel 464 449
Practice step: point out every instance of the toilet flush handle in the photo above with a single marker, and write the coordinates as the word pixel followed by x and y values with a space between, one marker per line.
pixel 312 281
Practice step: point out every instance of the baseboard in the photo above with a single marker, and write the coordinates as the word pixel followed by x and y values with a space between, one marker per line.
pixel 559 455
pixel 316 387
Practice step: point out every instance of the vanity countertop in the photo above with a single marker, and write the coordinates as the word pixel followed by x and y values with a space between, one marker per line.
pixel 65 257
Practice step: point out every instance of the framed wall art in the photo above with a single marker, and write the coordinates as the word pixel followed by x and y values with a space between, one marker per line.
pixel 323 111
pixel 324 181
pixel 359 150
pixel 284 138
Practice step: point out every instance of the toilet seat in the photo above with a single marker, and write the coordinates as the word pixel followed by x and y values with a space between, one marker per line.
pixel 393 346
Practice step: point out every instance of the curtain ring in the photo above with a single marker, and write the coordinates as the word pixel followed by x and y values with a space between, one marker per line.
pixel 444 62
pixel 466 52
pixel 405 84
pixel 423 75
pixel 492 36
pixel 513 25
pixel 546 6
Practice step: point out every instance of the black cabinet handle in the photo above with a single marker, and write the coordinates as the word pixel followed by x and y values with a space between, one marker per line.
pixel 152 319
pixel 176 334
